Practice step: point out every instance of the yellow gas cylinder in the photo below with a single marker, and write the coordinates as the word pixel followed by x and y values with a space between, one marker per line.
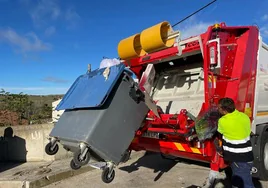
pixel 130 47
pixel 156 37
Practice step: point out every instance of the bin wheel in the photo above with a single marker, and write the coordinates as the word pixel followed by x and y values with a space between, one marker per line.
pixel 77 159
pixel 74 166
pixel 105 175
pixel 49 151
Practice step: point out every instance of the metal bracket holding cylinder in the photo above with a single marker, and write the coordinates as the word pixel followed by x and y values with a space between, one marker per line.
pixel 184 42
pixel 174 34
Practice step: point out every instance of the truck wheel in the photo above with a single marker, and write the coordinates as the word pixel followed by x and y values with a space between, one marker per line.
pixel 74 166
pixel 81 162
pixel 263 167
pixel 49 151
pixel 105 176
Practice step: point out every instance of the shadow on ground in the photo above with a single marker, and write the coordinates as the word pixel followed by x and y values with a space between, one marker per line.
pixel 12 150
pixel 152 161
pixel 158 163
pixel 163 165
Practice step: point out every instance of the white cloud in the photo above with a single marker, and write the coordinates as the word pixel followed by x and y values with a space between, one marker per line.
pixel 50 31
pixel 24 43
pixel 36 90
pixel 54 79
pixel 45 10
pixel 193 27
pixel 265 17
pixel 262 24
pixel 264 31
pixel 72 17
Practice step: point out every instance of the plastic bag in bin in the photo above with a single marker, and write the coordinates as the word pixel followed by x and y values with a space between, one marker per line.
pixel 206 124
pixel 106 62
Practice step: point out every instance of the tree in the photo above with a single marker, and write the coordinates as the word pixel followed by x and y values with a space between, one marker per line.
pixel 23 107
pixel 18 103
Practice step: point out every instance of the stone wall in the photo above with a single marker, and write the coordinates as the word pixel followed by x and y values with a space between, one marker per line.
pixel 27 143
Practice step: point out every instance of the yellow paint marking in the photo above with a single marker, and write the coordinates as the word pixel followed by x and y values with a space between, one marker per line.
pixel 195 150
pixel 262 114
pixel 179 147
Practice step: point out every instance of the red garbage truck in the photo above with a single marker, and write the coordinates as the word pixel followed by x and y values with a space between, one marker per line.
pixel 186 78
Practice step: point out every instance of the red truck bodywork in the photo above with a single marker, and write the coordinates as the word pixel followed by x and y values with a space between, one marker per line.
pixel 236 79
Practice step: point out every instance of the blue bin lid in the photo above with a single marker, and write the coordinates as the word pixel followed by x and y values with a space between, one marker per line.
pixel 91 89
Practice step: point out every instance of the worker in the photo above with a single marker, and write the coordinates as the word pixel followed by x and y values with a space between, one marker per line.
pixel 234 126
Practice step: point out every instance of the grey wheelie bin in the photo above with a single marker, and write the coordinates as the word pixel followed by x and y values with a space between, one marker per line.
pixel 101 115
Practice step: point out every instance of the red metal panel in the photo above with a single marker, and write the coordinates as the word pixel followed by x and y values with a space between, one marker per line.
pixel 254 42
pixel 241 64
pixel 166 145
pixel 167 148
pixel 186 147
pixel 206 66
pixel 245 58
pixel 228 50
pixel 153 57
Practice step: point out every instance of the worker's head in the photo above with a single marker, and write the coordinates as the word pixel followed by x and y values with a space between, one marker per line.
pixel 226 105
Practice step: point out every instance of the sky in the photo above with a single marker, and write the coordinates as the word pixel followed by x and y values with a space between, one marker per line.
pixel 46 44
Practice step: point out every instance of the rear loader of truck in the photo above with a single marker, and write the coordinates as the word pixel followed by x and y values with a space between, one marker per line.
pixel 186 78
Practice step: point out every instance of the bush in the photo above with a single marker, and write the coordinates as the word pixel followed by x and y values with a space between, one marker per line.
pixel 17 109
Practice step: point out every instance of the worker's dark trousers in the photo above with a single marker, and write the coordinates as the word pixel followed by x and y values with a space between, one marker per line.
pixel 241 174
